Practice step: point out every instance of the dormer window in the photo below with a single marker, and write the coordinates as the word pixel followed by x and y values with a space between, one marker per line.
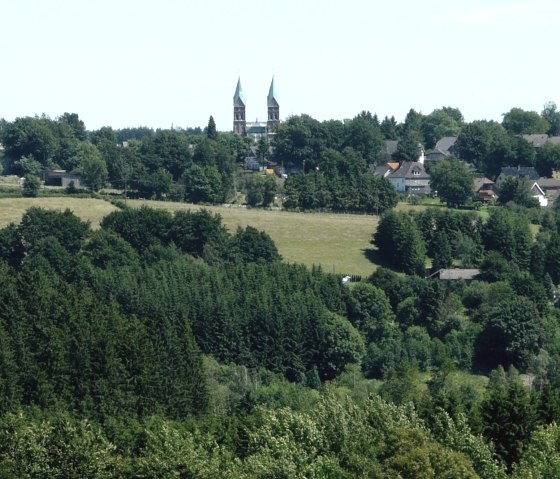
pixel 416 171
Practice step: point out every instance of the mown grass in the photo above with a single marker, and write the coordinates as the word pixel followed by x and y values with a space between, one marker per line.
pixel 92 210
pixel 339 243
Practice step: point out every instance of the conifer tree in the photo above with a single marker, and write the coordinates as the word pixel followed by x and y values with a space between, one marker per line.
pixel 508 414
pixel 211 131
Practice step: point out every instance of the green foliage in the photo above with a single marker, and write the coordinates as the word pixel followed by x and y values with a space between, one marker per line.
pixel 509 234
pixel 551 114
pixel 252 245
pixel 412 454
pixel 58 447
pixel 340 345
pixel 443 257
pixel 409 146
pixel 400 242
pixel 106 249
pixel 548 158
pixel 512 333
pixel 508 415
pixel 27 165
pixel 211 131
pixel 141 228
pixel 518 191
pixel 260 190
pixel 154 184
pixel 31 186
pixel 31 137
pixel 452 181
pixel 521 122
pixel 364 136
pixel 440 123
pixel 402 385
pixel 203 184
pixel 486 144
pixel 388 128
pixel 92 167
pixel 541 458
pixel 193 231
pixel 342 182
pixel 456 434
pixel 370 312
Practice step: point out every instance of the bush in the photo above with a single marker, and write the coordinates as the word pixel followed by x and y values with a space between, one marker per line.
pixel 31 186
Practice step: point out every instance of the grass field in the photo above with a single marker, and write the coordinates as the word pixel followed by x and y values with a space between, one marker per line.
pixel 92 210
pixel 337 242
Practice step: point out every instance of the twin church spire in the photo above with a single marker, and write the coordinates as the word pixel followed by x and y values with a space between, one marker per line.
pixel 256 129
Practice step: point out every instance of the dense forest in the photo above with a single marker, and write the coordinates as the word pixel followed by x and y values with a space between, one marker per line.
pixel 163 345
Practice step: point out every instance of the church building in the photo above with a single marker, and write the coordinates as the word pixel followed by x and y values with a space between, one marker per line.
pixel 255 129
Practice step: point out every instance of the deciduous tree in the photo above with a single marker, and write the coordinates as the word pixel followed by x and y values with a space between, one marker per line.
pixel 452 181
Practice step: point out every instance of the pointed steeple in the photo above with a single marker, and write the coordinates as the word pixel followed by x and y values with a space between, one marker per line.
pixel 239 125
pixel 238 97
pixel 273 111
pixel 271 98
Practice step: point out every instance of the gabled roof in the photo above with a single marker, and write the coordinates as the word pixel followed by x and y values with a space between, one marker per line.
pixel 479 183
pixel 238 97
pixel 549 183
pixel 407 170
pixel 382 170
pixel 536 190
pixel 385 169
pixel 445 144
pixel 520 172
pixel 539 140
pixel 437 152
pixel 456 274
pixel 535 140
pixel 271 98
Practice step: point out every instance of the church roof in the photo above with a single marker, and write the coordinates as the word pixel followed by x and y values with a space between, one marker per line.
pixel 271 98
pixel 238 98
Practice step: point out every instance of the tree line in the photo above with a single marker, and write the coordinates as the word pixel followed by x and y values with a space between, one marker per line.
pixel 332 161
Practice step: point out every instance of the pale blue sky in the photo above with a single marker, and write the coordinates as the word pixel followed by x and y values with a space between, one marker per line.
pixel 156 63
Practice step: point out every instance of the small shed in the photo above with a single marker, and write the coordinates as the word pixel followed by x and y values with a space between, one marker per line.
pixel 456 274
pixel 61 178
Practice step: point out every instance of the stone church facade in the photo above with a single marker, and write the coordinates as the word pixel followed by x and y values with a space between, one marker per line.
pixel 255 129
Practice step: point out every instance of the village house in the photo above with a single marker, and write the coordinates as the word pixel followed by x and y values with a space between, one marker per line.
pixel 443 148
pixel 539 194
pixel 520 172
pixel 485 190
pixel 386 169
pixel 539 140
pixel 410 178
pixel 551 189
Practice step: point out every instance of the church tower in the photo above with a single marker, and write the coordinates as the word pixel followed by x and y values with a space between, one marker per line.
pixel 273 111
pixel 239 125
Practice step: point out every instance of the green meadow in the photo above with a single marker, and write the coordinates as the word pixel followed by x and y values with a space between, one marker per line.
pixel 337 242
